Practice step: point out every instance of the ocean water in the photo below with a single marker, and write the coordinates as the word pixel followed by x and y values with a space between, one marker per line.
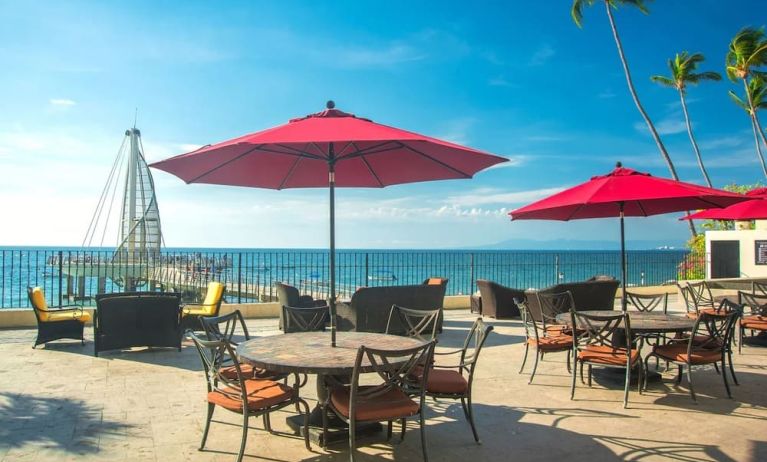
pixel 251 273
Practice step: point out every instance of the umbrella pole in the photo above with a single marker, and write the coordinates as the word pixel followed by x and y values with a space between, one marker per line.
pixel 332 187
pixel 623 260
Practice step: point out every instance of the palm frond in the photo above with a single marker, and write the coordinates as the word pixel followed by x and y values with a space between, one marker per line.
pixel 638 4
pixel 663 81
pixel 695 79
pixel 577 11
pixel 742 104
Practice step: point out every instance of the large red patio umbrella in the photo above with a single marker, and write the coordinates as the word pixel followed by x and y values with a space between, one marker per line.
pixel 330 148
pixel 753 209
pixel 625 192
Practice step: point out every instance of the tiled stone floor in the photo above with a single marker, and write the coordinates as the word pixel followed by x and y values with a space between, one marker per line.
pixel 60 403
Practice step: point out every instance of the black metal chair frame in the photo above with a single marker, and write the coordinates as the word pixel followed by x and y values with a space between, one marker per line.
pixel 690 301
pixel 467 364
pixel 648 303
pixel 192 321
pixel 702 293
pixel 420 324
pixel 305 319
pixel 535 332
pixel 47 331
pixel 759 288
pixel 402 377
pixel 601 331
pixel 213 354
pixel 717 330
pixel 757 305
pixel 553 304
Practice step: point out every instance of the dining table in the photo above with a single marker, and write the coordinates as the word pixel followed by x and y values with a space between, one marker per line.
pixel 312 353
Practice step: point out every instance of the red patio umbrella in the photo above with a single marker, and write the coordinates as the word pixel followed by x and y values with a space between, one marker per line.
pixel 330 148
pixel 625 192
pixel 753 209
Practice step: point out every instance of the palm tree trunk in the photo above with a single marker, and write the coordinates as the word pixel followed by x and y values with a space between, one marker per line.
pixel 692 140
pixel 761 132
pixel 756 127
pixel 635 97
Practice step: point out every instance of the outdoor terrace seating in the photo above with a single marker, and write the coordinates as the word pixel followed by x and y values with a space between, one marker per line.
pixel 55 324
pixel 210 306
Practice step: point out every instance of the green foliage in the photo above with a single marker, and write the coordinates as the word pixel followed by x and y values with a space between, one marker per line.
pixel 683 68
pixel 757 90
pixel 577 10
pixel 748 50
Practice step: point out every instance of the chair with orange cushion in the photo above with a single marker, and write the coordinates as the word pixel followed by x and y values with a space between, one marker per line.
pixel 388 400
pixel 55 324
pixel 455 381
pixel 756 319
pixel 420 324
pixel 542 338
pixel 600 346
pixel 239 393
pixel 717 329
pixel 211 305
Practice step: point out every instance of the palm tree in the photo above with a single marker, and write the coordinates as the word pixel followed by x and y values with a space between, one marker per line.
pixel 683 68
pixel 748 50
pixel 756 98
pixel 577 14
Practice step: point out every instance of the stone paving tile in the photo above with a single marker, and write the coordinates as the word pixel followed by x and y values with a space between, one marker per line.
pixel 60 403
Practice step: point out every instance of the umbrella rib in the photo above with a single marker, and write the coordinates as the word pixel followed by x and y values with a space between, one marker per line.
pixel 290 173
pixel 641 207
pixel 369 150
pixel 295 152
pixel 370 169
pixel 422 154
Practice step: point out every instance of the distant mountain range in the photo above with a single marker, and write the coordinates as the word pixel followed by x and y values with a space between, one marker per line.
pixel 572 244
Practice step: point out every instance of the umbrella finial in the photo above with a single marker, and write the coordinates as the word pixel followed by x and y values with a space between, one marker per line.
pixel 618 164
pixel 330 104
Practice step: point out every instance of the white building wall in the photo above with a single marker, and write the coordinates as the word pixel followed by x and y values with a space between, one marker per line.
pixel 747 238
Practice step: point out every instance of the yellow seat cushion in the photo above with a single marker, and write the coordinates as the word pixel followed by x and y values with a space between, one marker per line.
pixel 208 306
pixel 47 315
pixel 53 316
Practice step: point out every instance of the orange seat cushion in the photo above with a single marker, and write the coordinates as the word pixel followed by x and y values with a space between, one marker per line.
pixel 692 315
pixel 230 372
pixel 755 322
pixel 552 343
pixel 261 394
pixel 392 405
pixel 678 352
pixel 446 381
pixel 434 281
pixel 599 354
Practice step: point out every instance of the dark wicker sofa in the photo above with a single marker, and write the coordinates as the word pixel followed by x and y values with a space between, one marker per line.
pixel 368 309
pixel 131 319
pixel 597 293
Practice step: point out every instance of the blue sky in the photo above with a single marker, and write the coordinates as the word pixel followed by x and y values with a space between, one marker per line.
pixel 521 81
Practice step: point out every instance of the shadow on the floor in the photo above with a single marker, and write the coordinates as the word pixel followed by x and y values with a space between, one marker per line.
pixel 505 437
pixel 187 358
pixel 66 424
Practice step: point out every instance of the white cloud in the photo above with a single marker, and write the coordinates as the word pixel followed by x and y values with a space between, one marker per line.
pixel 61 102
pixel 542 55
pixel 487 196
pixel 668 126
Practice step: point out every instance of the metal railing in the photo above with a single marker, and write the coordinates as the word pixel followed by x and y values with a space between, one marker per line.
pixel 77 275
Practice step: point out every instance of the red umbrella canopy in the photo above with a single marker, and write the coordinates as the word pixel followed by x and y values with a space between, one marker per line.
pixel 753 209
pixel 297 155
pixel 641 194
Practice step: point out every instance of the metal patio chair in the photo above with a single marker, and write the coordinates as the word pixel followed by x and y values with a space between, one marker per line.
pixel 709 343
pixel 599 345
pixel 542 339
pixel 246 396
pixel 304 319
pixel 388 400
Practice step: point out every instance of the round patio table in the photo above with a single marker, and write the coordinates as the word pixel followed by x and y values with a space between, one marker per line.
pixel 643 323
pixel 311 353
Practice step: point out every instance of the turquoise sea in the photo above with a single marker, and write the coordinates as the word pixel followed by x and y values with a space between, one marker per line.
pixel 49 267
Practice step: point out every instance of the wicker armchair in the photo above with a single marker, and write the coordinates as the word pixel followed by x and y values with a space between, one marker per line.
pixel 288 295
pixel 498 300
pixel 192 312
pixel 55 324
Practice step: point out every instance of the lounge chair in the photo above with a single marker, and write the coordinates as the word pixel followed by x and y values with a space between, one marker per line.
pixel 55 324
